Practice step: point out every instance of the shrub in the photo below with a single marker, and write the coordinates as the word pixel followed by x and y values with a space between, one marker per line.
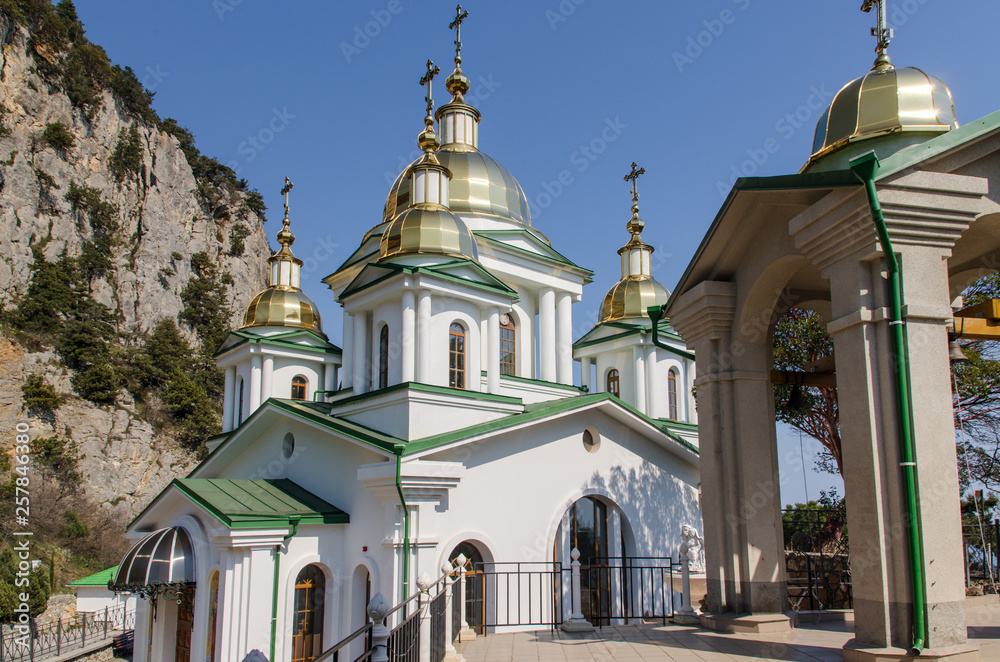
pixel 237 234
pixel 75 527
pixel 102 216
pixel 58 136
pixel 135 98
pixel 83 345
pixel 98 383
pixel 38 395
pixel 38 588
pixel 127 157
pixel 60 455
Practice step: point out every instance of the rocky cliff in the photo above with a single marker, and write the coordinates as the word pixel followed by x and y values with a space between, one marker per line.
pixel 60 159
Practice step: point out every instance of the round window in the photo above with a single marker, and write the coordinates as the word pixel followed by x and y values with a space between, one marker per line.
pixel 288 445
pixel 591 440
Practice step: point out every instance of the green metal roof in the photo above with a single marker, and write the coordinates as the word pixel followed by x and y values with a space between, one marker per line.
pixel 489 282
pixel 550 254
pixel 97 579
pixel 259 502
pixel 280 339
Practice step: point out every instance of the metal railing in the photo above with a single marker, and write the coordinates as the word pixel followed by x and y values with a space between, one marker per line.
pixel 981 549
pixel 38 642
pixel 817 563
pixel 517 594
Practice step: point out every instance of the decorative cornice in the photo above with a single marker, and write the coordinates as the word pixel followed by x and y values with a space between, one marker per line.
pixel 705 311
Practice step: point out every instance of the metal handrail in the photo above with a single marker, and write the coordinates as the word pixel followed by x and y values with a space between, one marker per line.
pixel 366 628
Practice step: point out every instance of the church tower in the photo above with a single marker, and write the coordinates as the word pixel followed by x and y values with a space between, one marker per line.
pixel 281 350
pixel 648 368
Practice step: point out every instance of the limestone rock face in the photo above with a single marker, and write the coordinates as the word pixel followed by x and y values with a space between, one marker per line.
pixel 163 220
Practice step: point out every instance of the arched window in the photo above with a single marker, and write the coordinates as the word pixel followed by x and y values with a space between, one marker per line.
pixel 613 383
pixel 672 395
pixel 299 385
pixel 239 412
pixel 307 617
pixel 508 346
pixel 383 356
pixel 456 356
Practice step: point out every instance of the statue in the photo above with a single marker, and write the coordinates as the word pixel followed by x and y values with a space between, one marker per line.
pixel 693 548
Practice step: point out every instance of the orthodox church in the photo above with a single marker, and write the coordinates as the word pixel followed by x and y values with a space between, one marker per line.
pixel 448 424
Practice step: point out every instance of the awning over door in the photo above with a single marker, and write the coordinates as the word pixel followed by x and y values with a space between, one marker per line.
pixel 162 561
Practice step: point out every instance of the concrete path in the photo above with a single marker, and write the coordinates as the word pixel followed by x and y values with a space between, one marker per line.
pixel 821 642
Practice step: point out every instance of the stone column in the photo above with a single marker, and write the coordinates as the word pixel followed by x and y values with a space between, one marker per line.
pixel 493 350
pixel 576 622
pixel 348 355
pixel 585 373
pixel 655 400
pixel 378 609
pixel 407 354
pixel 547 335
pixel 255 376
pixel 424 583
pixel 267 379
pixel 361 353
pixel 424 337
pixel 639 378
pixel 450 654
pixel 564 338
pixel 330 377
pixel 229 399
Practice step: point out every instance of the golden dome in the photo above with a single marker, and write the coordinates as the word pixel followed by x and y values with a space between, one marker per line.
pixel 479 185
pixel 885 101
pixel 427 229
pixel 279 306
pixel 630 297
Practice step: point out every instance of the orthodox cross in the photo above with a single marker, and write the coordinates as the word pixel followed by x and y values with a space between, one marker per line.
pixel 456 25
pixel 882 32
pixel 632 176
pixel 432 71
pixel 284 192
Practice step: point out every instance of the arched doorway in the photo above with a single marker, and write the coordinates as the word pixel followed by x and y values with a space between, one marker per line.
pixel 475 584
pixel 308 614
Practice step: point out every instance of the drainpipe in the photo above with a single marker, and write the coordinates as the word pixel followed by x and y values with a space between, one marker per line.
pixel 406 523
pixel 655 314
pixel 865 168
pixel 274 597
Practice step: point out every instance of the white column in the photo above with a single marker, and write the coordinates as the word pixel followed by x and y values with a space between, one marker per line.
pixel 654 399
pixel 424 583
pixel 547 335
pixel 407 357
pixel 330 377
pixel 585 373
pixel 564 338
pixel 255 374
pixel 348 355
pixel 639 374
pixel 267 379
pixel 228 399
pixel 493 351
pixel 360 353
pixel 424 337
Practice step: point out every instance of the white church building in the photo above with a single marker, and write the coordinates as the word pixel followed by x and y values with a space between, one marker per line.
pixel 450 423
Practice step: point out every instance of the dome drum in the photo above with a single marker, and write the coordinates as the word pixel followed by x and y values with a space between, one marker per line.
pixel 279 307
pixel 427 230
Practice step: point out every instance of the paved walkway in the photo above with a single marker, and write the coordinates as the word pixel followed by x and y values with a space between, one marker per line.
pixel 662 643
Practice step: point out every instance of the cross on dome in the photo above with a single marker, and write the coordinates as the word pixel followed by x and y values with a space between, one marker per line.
pixel 882 32
pixel 432 71
pixel 635 224
pixel 456 25
pixel 285 236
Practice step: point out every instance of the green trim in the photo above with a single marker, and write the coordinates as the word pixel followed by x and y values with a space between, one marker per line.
pixel 97 579
pixel 314 411
pixel 632 330
pixel 925 151
pixel 678 425
pixel 541 382
pixel 280 339
pixel 427 388
pixel 248 503
pixel 534 412
pixel 555 257
pixel 494 285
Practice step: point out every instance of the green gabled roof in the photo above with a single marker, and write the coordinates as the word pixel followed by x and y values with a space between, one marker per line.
pixel 97 579
pixel 550 254
pixel 587 340
pixel 280 339
pixel 426 388
pixel 936 146
pixel 489 282
pixel 534 412
pixel 258 502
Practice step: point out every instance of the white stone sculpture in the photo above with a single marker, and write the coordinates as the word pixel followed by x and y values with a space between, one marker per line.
pixel 693 548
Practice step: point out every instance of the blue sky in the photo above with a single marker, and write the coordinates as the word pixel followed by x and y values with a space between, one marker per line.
pixel 327 93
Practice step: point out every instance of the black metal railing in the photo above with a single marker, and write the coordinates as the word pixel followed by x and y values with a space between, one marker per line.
pixel 38 642
pixel 817 561
pixel 620 590
pixel 981 548
pixel 518 594
pixel 438 615
pixel 404 638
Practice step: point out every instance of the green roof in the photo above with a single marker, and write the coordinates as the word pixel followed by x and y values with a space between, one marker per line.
pixel 97 579
pixel 279 339
pixel 259 502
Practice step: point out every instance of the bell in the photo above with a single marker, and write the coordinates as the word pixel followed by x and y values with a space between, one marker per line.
pixel 955 354
pixel 795 399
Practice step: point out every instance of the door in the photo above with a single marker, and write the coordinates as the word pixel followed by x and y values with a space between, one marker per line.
pixel 185 623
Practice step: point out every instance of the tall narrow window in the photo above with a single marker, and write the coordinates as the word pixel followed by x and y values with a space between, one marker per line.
pixel 299 384
pixel 672 394
pixel 613 383
pixel 239 412
pixel 307 617
pixel 213 614
pixel 456 356
pixel 383 356
pixel 508 346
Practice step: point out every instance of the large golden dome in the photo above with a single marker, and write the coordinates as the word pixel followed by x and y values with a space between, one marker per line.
pixel 427 229
pixel 278 306
pixel 630 297
pixel 905 103
pixel 479 185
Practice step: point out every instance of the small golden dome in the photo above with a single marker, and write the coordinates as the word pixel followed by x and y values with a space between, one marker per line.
pixel 428 229
pixel 885 101
pixel 278 306
pixel 630 297
pixel 479 185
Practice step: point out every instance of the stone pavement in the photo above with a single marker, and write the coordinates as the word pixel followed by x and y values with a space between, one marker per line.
pixel 811 642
